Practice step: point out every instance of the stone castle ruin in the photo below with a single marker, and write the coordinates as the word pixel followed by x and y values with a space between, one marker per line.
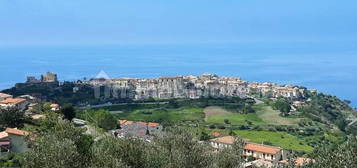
pixel 48 77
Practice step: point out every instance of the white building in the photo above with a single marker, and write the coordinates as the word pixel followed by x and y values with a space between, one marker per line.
pixel 16 139
pixel 256 151
pixel 19 103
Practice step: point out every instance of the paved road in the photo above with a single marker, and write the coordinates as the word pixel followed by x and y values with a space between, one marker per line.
pixel 108 105
pixel 258 101
pixel 353 122
pixel 165 102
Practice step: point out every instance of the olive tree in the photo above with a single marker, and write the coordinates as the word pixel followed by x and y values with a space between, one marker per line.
pixel 12 117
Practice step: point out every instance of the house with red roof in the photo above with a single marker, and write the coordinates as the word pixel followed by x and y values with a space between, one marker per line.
pixel 216 134
pixel 253 150
pixel 55 107
pixel 4 142
pixel 17 140
pixel 19 103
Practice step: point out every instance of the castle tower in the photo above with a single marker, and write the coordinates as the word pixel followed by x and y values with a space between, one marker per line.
pixel 49 77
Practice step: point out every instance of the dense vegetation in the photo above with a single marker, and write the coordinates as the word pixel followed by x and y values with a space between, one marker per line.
pixel 53 92
pixel 283 105
pixel 100 118
pixel 281 139
pixel 321 123
pixel 59 144
pixel 327 109
pixel 11 117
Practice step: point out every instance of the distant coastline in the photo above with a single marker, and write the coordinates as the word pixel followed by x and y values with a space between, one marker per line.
pixel 325 67
pixel 102 79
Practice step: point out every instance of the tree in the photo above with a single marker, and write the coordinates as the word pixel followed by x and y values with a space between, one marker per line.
pixel 53 135
pixel 108 121
pixel 68 111
pixel 9 160
pixel 103 119
pixel 231 157
pixel 282 105
pixel 248 109
pixel 204 136
pixel 178 149
pixel 173 104
pixel 50 151
pixel 61 146
pixel 343 155
pixel 46 107
pixel 102 156
pixel 12 117
pixel 231 132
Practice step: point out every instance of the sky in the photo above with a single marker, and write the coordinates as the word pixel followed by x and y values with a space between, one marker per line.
pixel 106 22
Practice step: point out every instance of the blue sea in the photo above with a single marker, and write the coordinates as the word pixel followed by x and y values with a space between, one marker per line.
pixel 329 68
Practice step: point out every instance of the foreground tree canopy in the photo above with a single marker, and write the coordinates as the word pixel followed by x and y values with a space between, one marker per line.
pixel 66 146
pixel 11 117
pixel 60 144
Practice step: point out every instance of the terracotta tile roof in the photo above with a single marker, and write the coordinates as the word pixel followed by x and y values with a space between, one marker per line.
pixel 5 143
pixel 300 161
pixel 262 148
pixel 121 122
pixel 3 135
pixel 216 134
pixel 125 122
pixel 142 123
pixel 12 101
pixel 5 95
pixel 54 105
pixel 152 124
pixel 16 132
pixel 225 140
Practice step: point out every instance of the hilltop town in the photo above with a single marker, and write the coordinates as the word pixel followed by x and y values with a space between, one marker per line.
pixel 206 85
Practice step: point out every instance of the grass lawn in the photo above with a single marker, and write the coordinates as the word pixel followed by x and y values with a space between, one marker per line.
pixel 235 119
pixel 160 115
pixel 272 117
pixel 281 139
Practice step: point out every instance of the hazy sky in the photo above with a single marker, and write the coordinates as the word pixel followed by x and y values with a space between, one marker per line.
pixel 101 22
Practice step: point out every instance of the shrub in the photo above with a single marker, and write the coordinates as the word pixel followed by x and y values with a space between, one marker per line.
pixel 147 112
pixel 226 121
pixel 212 126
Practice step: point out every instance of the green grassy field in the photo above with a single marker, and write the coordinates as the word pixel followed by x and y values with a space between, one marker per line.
pixel 168 115
pixel 272 117
pixel 280 139
pixel 235 119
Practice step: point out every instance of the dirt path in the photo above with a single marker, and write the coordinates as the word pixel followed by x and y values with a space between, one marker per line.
pixel 214 110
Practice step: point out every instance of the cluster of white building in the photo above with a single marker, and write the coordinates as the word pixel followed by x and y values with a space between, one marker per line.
pixel 206 85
